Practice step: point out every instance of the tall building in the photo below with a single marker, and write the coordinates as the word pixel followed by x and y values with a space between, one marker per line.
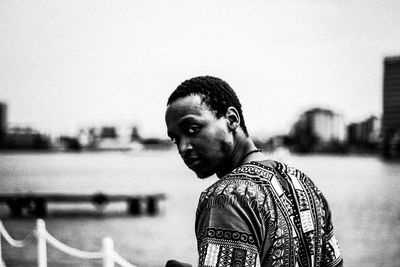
pixel 3 123
pixel 391 107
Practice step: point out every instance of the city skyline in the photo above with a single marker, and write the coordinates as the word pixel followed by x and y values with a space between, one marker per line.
pixel 66 65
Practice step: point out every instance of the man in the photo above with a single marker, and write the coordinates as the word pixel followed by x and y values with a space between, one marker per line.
pixel 260 212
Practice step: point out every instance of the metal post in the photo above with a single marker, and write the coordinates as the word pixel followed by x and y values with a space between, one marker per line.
pixel 108 252
pixel 41 243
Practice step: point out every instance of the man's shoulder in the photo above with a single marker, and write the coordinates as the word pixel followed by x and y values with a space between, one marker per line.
pixel 251 174
pixel 254 170
pixel 247 181
pixel 264 169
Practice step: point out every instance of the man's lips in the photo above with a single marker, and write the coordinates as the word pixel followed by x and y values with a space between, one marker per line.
pixel 191 161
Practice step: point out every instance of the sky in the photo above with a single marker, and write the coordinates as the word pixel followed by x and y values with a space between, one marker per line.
pixel 80 63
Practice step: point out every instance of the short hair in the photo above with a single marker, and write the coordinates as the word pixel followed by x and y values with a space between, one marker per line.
pixel 214 92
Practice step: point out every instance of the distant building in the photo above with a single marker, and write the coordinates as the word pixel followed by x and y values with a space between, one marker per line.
pixel 318 130
pixel 391 107
pixel 26 138
pixel 365 134
pixel 20 137
pixel 108 138
pixel 108 132
pixel 135 136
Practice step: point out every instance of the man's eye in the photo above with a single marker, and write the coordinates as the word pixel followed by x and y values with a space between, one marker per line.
pixel 193 130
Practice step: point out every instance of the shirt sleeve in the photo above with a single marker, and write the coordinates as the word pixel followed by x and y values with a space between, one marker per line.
pixel 229 225
pixel 332 255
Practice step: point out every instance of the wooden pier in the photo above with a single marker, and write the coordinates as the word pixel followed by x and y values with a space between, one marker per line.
pixel 36 204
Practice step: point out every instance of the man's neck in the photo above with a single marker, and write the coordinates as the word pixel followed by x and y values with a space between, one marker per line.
pixel 238 155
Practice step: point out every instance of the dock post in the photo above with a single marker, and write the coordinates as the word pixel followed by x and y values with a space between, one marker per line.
pixel 134 206
pixel 15 207
pixel 152 205
pixel 108 252
pixel 40 208
pixel 41 246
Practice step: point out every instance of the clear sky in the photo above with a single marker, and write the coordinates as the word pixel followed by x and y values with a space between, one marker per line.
pixel 73 63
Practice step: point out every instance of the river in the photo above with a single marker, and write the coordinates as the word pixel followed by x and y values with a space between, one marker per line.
pixel 363 193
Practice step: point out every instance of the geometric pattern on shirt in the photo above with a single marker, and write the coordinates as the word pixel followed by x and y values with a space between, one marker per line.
pixel 239 239
pixel 312 213
pixel 304 187
pixel 237 192
pixel 295 211
pixel 217 254
pixel 332 248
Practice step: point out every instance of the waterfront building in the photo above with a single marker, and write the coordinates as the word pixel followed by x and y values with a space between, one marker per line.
pixel 318 130
pixel 391 107
pixel 107 137
pixel 17 137
pixel 26 138
pixel 365 134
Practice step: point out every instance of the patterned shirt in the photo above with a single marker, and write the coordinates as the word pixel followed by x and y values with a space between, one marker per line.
pixel 265 214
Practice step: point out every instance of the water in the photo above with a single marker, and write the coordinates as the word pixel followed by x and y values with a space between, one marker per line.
pixel 362 192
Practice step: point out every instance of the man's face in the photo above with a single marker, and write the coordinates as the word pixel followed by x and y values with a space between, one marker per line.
pixel 203 140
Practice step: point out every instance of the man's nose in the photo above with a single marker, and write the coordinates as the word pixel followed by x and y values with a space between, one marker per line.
pixel 184 146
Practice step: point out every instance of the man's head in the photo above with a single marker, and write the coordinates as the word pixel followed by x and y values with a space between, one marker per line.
pixel 214 92
pixel 204 119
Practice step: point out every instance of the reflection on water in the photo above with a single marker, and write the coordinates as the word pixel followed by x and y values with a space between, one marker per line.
pixel 362 193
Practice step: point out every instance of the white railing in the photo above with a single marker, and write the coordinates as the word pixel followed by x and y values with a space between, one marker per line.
pixel 107 253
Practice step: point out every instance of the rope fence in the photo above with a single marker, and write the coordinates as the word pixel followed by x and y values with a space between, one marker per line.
pixel 42 236
pixel 15 243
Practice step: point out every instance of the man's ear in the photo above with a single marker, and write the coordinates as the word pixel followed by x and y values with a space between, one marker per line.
pixel 233 118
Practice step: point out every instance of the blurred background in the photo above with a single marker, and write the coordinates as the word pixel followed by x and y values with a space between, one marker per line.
pixel 83 91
